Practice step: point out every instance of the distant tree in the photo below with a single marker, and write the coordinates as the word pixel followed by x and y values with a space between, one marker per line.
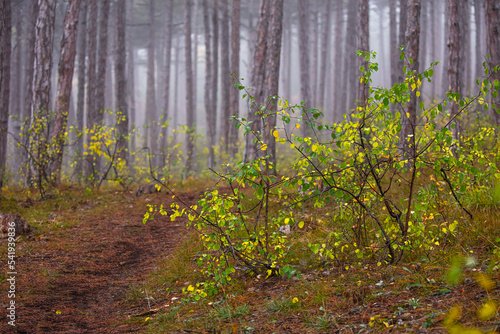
pixel 121 79
pixel 363 45
pixel 235 68
pixel 403 19
pixel 131 79
pixel 305 83
pixel 151 136
pixel 64 85
pixel 5 45
pixel 412 38
pixel 102 66
pixel 314 25
pixel 41 86
pixel 478 17
pixel 225 73
pixel 492 18
pixel 80 105
pixel 215 64
pixel 16 89
pixel 393 43
pixel 338 102
pixel 325 45
pixel 191 126
pixel 166 83
pixel 91 82
pixel 210 112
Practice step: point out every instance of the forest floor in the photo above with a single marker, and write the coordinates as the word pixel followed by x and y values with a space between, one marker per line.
pixel 92 266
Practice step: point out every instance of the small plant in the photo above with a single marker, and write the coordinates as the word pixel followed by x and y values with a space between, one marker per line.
pixel 414 303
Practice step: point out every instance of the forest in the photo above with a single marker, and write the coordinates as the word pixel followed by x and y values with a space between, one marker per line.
pixel 262 166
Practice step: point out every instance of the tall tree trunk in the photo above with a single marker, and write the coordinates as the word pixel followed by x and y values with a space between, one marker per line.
pixel 257 81
pixel 80 107
pixel 454 56
pixel 403 18
pixel 166 84
pixel 90 171
pixel 325 45
pixel 121 81
pixel 41 87
pixel 465 49
pixel 5 45
pixel 350 72
pixel 339 97
pixel 363 45
pixel 17 91
pixel 102 65
pixel 235 68
pixel 210 112
pixel 314 18
pixel 215 69
pixel 492 16
pixel 272 75
pixel 393 45
pixel 478 69
pixel 444 82
pixel 305 84
pixel 191 131
pixel 131 83
pixel 225 74
pixel 28 88
pixel 64 85
pixel 408 123
pixel 150 137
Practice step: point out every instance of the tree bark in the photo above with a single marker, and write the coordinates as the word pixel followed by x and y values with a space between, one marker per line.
pixel 131 82
pixel 225 74
pixel 5 44
pixel 102 65
pixel 215 69
pixel 403 18
pixel 339 97
pixel 235 68
pixel 64 85
pixel 166 84
pixel 90 171
pixel 363 45
pixel 150 136
pixel 190 133
pixel 454 55
pixel 305 84
pixel 492 16
pixel 121 81
pixel 325 45
pixel 478 69
pixel 210 112
pixel 41 88
pixel 409 117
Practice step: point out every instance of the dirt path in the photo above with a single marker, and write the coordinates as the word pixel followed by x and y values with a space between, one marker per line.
pixel 76 279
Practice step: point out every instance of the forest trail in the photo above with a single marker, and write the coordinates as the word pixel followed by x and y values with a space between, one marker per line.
pixel 77 279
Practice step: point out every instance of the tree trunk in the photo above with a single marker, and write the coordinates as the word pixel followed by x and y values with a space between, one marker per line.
pixel 235 68
pixel 339 97
pixel 215 74
pixel 363 45
pixel 80 107
pixel 272 75
pixel 5 44
pixel 121 81
pixel 257 76
pixel 41 87
pixel 64 85
pixel 131 83
pixel 225 74
pixel 393 45
pixel 325 45
pixel 150 136
pixel 454 70
pixel 90 171
pixel 191 131
pixel 102 65
pixel 492 16
pixel 314 18
pixel 16 90
pixel 403 18
pixel 210 113
pixel 166 84
pixel 412 38
pixel 478 69
pixel 305 84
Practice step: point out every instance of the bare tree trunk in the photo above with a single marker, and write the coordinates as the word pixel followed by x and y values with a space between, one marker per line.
pixel 325 46
pixel 403 18
pixel 90 171
pixel 80 107
pixel 444 82
pixel 121 81
pixel 210 113
pixel 257 81
pixel 235 68
pixel 166 84
pixel 64 85
pixel 42 85
pixel 363 45
pixel 492 16
pixel 272 75
pixel 190 133
pixel 339 97
pixel 454 59
pixel 314 18
pixel 102 57
pixel 28 87
pixel 17 91
pixel 305 84
pixel 465 49
pixel 150 137
pixel 5 44
pixel 215 69
pixel 131 83
pixel 478 69
pixel 393 45
pixel 225 74
pixel 407 135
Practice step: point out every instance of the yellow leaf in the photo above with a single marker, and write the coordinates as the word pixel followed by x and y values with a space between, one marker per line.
pixel 276 133
pixel 295 300
pixel 297 125
pixel 292 146
pixel 301 224
pixel 190 288
pixel 417 93
pixel 314 147
pixel 263 147
pixel 487 311
pixel 413 86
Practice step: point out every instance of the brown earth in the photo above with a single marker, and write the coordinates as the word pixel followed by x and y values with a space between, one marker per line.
pixel 76 279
